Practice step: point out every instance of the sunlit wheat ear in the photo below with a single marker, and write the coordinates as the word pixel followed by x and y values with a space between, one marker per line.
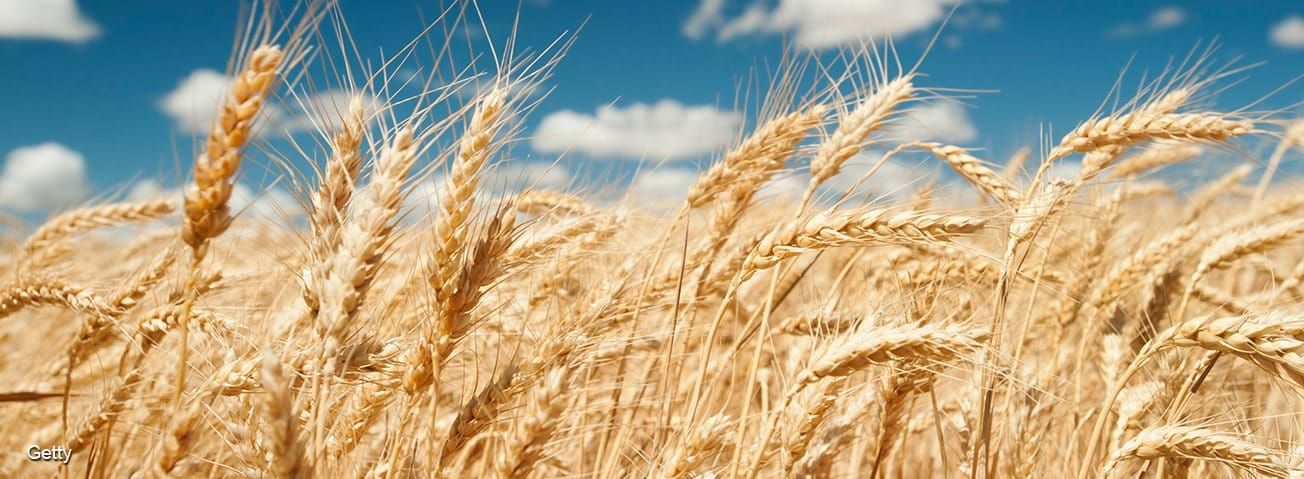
pixel 287 455
pixel 544 203
pixel 331 199
pixel 809 421
pixel 1034 210
pixel 109 408
pixel 536 427
pixel 349 270
pixel 89 218
pixel 694 449
pixel 854 128
pixel 1260 239
pixel 457 199
pixel 862 227
pixel 973 171
pixel 1132 128
pixel 1272 341
pixel 477 414
pixel 37 291
pixel 780 134
pixel 1154 159
pixel 206 211
pixel 1200 444
pixel 921 343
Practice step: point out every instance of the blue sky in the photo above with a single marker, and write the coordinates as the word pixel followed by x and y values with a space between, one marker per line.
pixel 85 81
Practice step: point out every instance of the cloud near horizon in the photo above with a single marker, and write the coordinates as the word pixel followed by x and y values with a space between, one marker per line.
pixel 665 130
pixel 45 178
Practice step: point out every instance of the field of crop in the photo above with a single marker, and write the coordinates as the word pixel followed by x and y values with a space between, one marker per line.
pixel 1103 325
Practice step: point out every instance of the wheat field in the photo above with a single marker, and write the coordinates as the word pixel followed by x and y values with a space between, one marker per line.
pixel 1107 324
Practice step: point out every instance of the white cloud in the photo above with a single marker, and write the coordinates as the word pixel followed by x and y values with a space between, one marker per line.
pixel 1166 17
pixel 195 101
pixel 517 175
pixel 663 187
pixel 1160 19
pixel 1289 33
pixel 44 177
pixel 940 121
pixel 828 23
pixel 709 13
pixel 265 204
pixel 664 130
pixel 45 19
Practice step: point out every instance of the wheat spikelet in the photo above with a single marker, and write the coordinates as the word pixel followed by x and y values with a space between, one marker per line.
pixel 206 212
pixel 1014 166
pixel 542 202
pixel 854 127
pixel 458 195
pixel 282 423
pixel 1131 128
pixel 38 291
pixel 762 148
pixel 350 269
pixel 810 420
pixel 920 343
pixel 331 200
pixel 86 219
pixel 1227 249
pixel 827 230
pixel 973 171
pixel 694 449
pixel 539 423
pixel 1195 443
pixel 1271 341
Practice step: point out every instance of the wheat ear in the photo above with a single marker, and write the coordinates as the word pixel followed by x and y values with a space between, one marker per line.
pixel 1131 128
pixel 1196 443
pixel 973 171
pixel 86 219
pixel 827 230
pixel 287 454
pixel 926 343
pixel 853 128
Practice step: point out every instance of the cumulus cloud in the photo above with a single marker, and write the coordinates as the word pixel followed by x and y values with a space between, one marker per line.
pixel 1160 19
pixel 58 20
pixel 664 130
pixel 195 100
pixel 709 13
pixel 247 202
pixel 662 187
pixel 940 121
pixel 822 23
pixel 44 177
pixel 1289 33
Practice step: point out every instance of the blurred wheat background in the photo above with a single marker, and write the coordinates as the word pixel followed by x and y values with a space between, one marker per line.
pixel 436 313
